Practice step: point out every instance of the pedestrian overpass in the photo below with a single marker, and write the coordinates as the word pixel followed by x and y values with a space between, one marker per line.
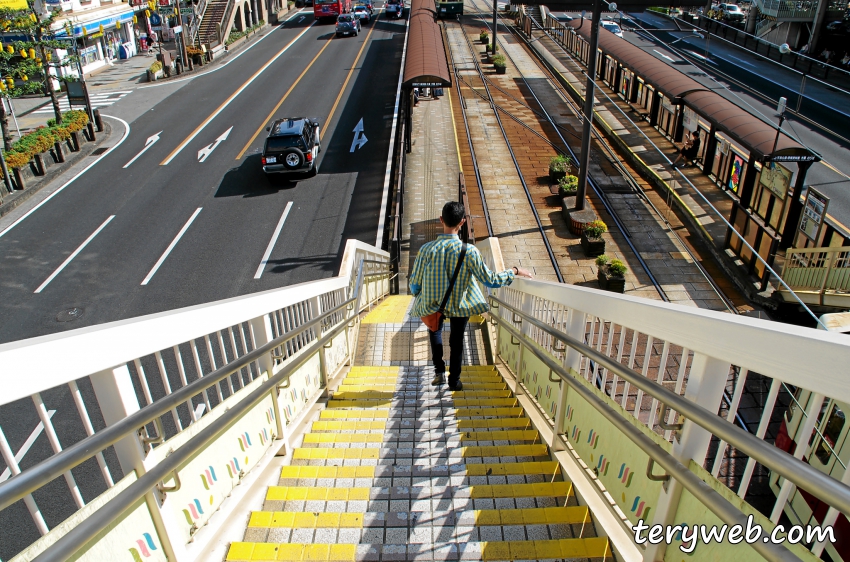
pixel 299 424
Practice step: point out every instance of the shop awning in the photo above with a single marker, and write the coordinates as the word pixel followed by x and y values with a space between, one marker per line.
pixel 92 20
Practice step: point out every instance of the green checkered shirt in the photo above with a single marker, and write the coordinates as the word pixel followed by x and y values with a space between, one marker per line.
pixel 433 270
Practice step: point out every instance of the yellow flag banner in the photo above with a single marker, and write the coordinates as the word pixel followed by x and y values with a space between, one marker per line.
pixel 14 4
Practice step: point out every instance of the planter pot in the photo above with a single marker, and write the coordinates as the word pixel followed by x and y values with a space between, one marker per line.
pixel 58 155
pixel 592 246
pixel 19 179
pixel 556 176
pixel 501 69
pixel 485 40
pixel 40 168
pixel 609 282
pixel 75 141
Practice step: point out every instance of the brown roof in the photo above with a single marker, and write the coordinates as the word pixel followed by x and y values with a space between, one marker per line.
pixel 426 55
pixel 743 127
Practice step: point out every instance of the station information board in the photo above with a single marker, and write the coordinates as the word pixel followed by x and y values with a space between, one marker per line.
pixel 814 213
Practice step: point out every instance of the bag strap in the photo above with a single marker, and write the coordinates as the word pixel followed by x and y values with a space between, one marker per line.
pixel 454 278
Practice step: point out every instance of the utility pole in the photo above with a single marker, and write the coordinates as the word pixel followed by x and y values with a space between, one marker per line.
pixel 584 157
pixel 495 24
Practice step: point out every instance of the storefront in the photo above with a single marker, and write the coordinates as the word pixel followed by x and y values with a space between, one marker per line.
pixel 104 35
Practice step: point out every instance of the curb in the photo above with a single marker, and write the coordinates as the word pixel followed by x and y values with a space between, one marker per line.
pixel 13 200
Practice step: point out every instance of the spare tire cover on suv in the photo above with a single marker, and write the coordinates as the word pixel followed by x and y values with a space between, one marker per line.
pixel 293 158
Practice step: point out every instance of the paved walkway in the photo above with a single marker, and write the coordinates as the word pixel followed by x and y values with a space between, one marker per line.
pixel 395 469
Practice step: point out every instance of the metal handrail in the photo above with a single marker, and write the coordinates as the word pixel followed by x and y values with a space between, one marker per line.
pixel 37 476
pixel 824 487
pixel 709 497
pixel 80 535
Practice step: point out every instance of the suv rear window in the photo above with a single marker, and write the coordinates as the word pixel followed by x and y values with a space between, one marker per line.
pixel 345 18
pixel 281 143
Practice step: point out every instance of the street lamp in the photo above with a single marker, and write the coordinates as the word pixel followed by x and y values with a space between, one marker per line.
pixel 780 110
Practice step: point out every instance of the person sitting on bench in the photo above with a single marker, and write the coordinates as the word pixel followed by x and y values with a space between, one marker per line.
pixel 690 149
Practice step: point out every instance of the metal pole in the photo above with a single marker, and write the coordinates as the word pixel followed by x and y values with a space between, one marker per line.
pixel 6 179
pixel 588 106
pixel 495 23
pixel 14 117
pixel 182 38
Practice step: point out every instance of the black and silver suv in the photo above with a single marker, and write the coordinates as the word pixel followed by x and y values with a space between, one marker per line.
pixel 292 146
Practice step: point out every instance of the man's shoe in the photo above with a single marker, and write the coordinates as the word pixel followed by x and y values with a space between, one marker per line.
pixel 438 380
pixel 456 386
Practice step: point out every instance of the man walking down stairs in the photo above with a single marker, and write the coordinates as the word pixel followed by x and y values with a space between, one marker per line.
pixel 395 469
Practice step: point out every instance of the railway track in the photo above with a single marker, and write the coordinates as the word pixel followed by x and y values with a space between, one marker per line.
pixel 562 145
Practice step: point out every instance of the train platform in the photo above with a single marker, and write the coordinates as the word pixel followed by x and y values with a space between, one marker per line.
pixel 459 132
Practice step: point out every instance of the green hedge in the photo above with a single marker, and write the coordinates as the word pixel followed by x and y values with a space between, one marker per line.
pixel 43 138
pixel 236 35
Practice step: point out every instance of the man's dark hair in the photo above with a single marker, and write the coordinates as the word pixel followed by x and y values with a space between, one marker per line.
pixel 453 213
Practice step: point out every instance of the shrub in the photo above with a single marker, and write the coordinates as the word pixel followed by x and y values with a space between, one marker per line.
pixel 595 229
pixel 601 260
pixel 61 133
pixel 617 267
pixel 155 67
pixel 484 35
pixel 568 185
pixel 16 159
pixel 560 163
pixel 500 61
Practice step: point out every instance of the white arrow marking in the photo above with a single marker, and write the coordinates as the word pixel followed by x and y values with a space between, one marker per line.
pixel 302 18
pixel 206 151
pixel 148 143
pixel 359 138
pixel 663 55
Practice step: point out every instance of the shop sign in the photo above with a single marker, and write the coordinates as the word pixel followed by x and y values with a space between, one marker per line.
pixel 776 178
pixel 813 214
pixel 14 4
pixel 76 93
pixel 689 119
pixel 187 11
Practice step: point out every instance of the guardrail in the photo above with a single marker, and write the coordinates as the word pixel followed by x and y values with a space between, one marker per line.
pixel 819 275
pixel 627 383
pixel 219 383
pixel 788 10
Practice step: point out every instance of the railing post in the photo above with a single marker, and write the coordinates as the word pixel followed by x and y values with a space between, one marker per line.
pixel 706 383
pixel 577 324
pixel 316 311
pixel 261 330
pixel 117 400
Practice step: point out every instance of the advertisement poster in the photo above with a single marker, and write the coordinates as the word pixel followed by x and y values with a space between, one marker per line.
pixel 735 174
pixel 813 214
pixel 689 119
pixel 776 178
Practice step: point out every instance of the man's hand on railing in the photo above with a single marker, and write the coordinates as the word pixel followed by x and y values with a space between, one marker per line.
pixel 520 272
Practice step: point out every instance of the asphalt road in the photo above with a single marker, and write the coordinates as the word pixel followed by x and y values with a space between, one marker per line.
pixel 756 84
pixel 224 205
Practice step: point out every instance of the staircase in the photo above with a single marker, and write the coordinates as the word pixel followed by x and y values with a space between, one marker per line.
pixel 396 469
pixel 534 13
pixel 213 16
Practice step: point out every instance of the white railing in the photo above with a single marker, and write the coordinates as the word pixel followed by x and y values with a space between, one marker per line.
pixel 787 10
pixel 715 360
pixel 114 370
pixel 819 275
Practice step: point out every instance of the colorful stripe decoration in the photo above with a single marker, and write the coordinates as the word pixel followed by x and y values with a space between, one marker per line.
pixel 270 415
pixel 639 508
pixel 244 441
pixel 208 478
pixel 569 412
pixel 593 438
pixel 625 475
pixel 576 433
pixel 233 468
pixel 264 436
pixel 548 391
pixel 145 547
pixel 602 465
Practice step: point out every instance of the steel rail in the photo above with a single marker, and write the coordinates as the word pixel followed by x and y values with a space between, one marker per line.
pixel 91 526
pixel 828 489
pixel 39 475
pixel 513 158
pixel 469 142
pixel 707 495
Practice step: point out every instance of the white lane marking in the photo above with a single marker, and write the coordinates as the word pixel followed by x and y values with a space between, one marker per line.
pixel 699 56
pixel 70 181
pixel 234 94
pixel 386 195
pixel 171 246
pixel 19 456
pixel 663 55
pixel 272 242
pixel 72 256
pixel 207 150
pixel 359 138
pixel 101 99
pixel 148 143
pixel 741 61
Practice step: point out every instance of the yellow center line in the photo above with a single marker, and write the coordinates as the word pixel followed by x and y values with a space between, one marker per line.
pixel 454 128
pixel 220 108
pixel 347 78
pixel 286 95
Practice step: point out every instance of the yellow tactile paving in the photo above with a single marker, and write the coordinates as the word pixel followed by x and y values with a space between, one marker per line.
pixel 392 310
pixel 513 468
pixel 348 426
pixel 294 520
pixel 530 516
pixel 327 472
pixel 491 423
pixel 322 454
pixel 559 489
pixel 353 414
pixel 489 412
pixel 316 493
pixel 482 390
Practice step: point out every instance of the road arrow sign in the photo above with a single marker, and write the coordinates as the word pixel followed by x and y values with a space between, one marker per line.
pixel 148 143
pixel 206 151
pixel 359 138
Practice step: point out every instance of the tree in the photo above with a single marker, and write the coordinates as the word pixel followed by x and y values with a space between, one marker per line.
pixel 25 64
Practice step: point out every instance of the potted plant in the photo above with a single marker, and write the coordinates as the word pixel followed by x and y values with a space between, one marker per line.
pixel 484 36
pixel 559 167
pixel 611 275
pixel 500 64
pixel 591 238
pixel 155 71
pixel 568 186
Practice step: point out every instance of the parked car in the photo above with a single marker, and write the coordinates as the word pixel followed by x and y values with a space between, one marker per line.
pixel 362 13
pixel 347 24
pixel 292 146
pixel 612 27
pixel 731 12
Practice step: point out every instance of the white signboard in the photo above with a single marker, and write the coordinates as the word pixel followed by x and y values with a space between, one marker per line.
pixel 689 119
pixel 813 214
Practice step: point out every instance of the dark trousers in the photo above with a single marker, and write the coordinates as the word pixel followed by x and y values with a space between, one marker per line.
pixel 458 327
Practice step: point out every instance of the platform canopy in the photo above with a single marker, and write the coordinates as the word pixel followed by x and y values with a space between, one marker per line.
pixel 426 65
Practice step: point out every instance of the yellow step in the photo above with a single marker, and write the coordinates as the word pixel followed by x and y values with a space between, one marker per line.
pixel 349 426
pixel 316 493
pixel 353 414
pixel 295 520
pixel 491 423
pixel 508 435
pixel 481 391
pixel 321 453
pixel 246 551
pixel 327 472
pixel 560 489
pixel 531 516
pixel 489 412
